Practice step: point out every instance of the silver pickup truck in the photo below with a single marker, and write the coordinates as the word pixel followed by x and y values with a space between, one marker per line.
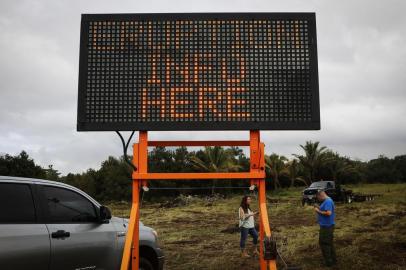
pixel 48 225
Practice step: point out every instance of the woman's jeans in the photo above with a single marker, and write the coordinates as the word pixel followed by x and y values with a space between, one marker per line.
pixel 244 235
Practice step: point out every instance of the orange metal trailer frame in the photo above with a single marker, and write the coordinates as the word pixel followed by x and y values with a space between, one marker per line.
pixel 141 176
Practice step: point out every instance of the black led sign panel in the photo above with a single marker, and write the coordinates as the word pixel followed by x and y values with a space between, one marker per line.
pixel 218 71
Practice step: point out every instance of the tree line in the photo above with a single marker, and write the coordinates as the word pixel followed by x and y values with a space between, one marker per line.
pixel 314 163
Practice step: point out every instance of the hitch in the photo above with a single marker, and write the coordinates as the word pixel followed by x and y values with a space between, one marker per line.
pixel 270 252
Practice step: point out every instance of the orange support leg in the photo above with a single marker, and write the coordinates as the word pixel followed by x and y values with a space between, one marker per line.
pixel 131 248
pixel 265 230
pixel 254 155
pixel 135 249
pixel 262 262
pixel 132 231
pixel 142 168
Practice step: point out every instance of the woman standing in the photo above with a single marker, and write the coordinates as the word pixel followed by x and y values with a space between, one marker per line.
pixel 247 225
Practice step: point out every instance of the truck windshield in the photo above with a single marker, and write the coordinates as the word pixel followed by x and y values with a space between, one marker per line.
pixel 318 185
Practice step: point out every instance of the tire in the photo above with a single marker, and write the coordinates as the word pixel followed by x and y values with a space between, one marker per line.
pixel 145 264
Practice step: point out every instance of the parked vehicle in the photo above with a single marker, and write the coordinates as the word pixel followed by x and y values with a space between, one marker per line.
pixel 54 226
pixel 336 192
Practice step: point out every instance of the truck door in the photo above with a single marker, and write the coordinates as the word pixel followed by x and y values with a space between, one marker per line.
pixel 24 243
pixel 78 239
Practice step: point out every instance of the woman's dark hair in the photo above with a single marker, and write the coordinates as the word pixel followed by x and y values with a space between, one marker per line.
pixel 244 205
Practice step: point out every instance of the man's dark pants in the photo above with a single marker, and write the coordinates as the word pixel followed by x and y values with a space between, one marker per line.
pixel 326 238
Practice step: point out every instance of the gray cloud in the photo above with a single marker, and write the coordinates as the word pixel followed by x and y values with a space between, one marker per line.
pixel 361 69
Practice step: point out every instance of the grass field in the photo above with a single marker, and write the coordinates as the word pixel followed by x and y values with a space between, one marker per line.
pixel 202 234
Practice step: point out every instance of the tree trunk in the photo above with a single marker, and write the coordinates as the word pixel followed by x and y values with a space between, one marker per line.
pixel 213 186
pixel 276 182
pixel 292 182
pixel 312 175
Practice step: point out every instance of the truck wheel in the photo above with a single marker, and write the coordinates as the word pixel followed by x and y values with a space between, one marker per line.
pixel 145 264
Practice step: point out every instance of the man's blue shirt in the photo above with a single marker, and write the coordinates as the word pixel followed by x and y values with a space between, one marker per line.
pixel 327 205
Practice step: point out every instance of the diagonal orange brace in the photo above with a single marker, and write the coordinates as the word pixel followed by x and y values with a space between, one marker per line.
pixel 131 248
pixel 265 230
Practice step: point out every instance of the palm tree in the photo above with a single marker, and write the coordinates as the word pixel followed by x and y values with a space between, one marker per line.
pixel 215 159
pixel 313 159
pixel 275 166
pixel 293 172
pixel 338 165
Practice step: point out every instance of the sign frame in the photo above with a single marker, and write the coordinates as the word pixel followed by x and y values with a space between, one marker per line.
pixel 83 125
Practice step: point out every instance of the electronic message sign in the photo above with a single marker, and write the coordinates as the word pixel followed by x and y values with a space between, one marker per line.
pixel 199 71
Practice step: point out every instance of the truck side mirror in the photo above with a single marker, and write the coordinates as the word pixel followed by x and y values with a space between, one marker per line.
pixel 105 213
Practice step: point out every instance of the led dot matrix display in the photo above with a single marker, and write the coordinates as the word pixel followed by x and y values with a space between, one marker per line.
pixel 198 72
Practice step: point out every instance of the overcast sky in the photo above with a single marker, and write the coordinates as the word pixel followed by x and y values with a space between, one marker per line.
pixel 362 74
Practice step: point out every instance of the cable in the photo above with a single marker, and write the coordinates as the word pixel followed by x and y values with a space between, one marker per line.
pixel 142 198
pixel 173 188
pixel 280 257
pixel 125 147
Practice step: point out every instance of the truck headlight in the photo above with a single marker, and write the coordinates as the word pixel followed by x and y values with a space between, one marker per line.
pixel 154 233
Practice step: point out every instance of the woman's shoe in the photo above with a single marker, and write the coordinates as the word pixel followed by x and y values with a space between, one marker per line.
pixel 255 252
pixel 244 254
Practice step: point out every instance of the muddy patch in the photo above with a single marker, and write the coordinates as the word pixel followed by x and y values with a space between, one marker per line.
pixel 292 221
pixel 232 228
pixel 343 242
pixel 383 221
pixel 184 242
pixel 388 252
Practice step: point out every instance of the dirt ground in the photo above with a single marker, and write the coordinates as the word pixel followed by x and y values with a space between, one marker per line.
pixel 202 234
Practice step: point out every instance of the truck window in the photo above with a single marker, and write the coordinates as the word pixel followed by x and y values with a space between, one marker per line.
pixel 66 206
pixel 16 204
pixel 329 185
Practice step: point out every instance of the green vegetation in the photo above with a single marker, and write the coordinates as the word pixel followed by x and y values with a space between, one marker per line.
pixel 313 163
pixel 201 233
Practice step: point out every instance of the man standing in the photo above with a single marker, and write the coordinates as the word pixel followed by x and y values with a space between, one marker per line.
pixel 326 215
